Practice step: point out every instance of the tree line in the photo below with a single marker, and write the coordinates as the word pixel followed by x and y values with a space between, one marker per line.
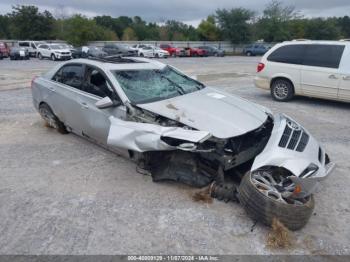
pixel 237 25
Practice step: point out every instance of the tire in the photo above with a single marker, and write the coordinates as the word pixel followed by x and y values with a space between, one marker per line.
pixel 249 53
pixel 53 57
pixel 40 56
pixel 50 118
pixel 263 208
pixel 156 55
pixel 282 90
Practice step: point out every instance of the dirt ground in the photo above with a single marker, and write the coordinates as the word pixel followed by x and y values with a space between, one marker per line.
pixel 60 194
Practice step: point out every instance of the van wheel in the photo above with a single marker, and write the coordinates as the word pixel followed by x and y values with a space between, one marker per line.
pixel 50 118
pixel 262 195
pixel 40 56
pixel 53 57
pixel 249 53
pixel 282 90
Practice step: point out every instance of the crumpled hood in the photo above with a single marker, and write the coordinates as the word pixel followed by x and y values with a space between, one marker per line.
pixel 220 113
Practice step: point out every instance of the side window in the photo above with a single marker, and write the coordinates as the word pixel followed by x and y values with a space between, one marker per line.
pixel 24 44
pixel 33 46
pixel 323 55
pixel 71 75
pixel 290 54
pixel 97 84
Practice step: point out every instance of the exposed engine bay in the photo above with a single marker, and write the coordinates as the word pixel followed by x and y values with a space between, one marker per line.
pixel 196 160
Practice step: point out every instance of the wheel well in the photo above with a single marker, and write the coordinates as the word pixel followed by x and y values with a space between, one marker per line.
pixel 282 78
pixel 42 103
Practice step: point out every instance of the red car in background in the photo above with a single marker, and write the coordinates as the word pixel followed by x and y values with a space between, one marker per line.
pixel 173 51
pixel 190 51
pixel 4 49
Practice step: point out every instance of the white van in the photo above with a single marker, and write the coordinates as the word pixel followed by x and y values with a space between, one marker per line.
pixel 31 46
pixel 308 68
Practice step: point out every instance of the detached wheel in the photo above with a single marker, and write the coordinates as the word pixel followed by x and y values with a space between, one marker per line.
pixel 282 90
pixel 50 118
pixel 265 194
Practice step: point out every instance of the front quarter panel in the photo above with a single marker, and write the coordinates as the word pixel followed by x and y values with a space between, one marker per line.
pixel 292 160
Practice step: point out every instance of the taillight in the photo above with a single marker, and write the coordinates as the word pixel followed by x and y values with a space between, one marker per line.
pixel 260 67
pixel 31 83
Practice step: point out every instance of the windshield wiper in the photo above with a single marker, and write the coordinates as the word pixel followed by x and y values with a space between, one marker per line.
pixel 180 89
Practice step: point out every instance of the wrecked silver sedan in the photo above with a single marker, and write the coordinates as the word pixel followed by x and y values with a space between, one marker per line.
pixel 178 129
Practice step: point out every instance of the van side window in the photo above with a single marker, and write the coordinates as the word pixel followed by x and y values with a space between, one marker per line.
pixel 71 75
pixel 290 54
pixel 323 55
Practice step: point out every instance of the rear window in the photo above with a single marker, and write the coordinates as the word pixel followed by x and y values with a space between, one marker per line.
pixel 323 55
pixel 290 54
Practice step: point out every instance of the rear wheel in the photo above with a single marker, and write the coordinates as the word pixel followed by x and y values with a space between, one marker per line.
pixel 282 90
pixel 268 193
pixel 50 118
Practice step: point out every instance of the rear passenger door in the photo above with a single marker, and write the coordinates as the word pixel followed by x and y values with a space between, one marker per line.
pixel 65 88
pixel 320 75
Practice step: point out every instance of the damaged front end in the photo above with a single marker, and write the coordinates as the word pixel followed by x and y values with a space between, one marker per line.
pixel 170 150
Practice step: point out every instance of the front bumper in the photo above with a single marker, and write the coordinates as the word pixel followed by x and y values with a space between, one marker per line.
pixel 63 57
pixel 293 148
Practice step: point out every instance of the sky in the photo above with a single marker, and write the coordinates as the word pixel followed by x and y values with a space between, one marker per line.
pixel 188 11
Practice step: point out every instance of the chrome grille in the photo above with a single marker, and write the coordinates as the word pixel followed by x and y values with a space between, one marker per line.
pixel 303 142
pixel 294 139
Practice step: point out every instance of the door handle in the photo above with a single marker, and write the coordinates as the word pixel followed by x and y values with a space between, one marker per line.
pixel 333 77
pixel 84 105
pixel 52 89
pixel 346 78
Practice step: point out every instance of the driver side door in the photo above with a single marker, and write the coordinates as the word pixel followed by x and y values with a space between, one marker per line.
pixel 96 121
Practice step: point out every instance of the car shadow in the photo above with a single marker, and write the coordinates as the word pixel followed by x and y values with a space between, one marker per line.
pixel 320 102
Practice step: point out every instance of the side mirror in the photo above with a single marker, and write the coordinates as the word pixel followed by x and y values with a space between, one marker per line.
pixel 104 103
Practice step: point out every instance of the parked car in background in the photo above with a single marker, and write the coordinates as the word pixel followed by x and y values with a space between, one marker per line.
pixel 31 46
pixel 54 52
pixel 19 53
pixel 139 46
pixel 308 68
pixel 255 49
pixel 88 51
pixel 212 50
pixel 173 51
pixel 191 51
pixel 152 51
pixel 117 49
pixel 4 49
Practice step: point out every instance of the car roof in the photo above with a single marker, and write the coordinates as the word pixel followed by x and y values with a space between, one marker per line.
pixel 120 63
pixel 316 42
